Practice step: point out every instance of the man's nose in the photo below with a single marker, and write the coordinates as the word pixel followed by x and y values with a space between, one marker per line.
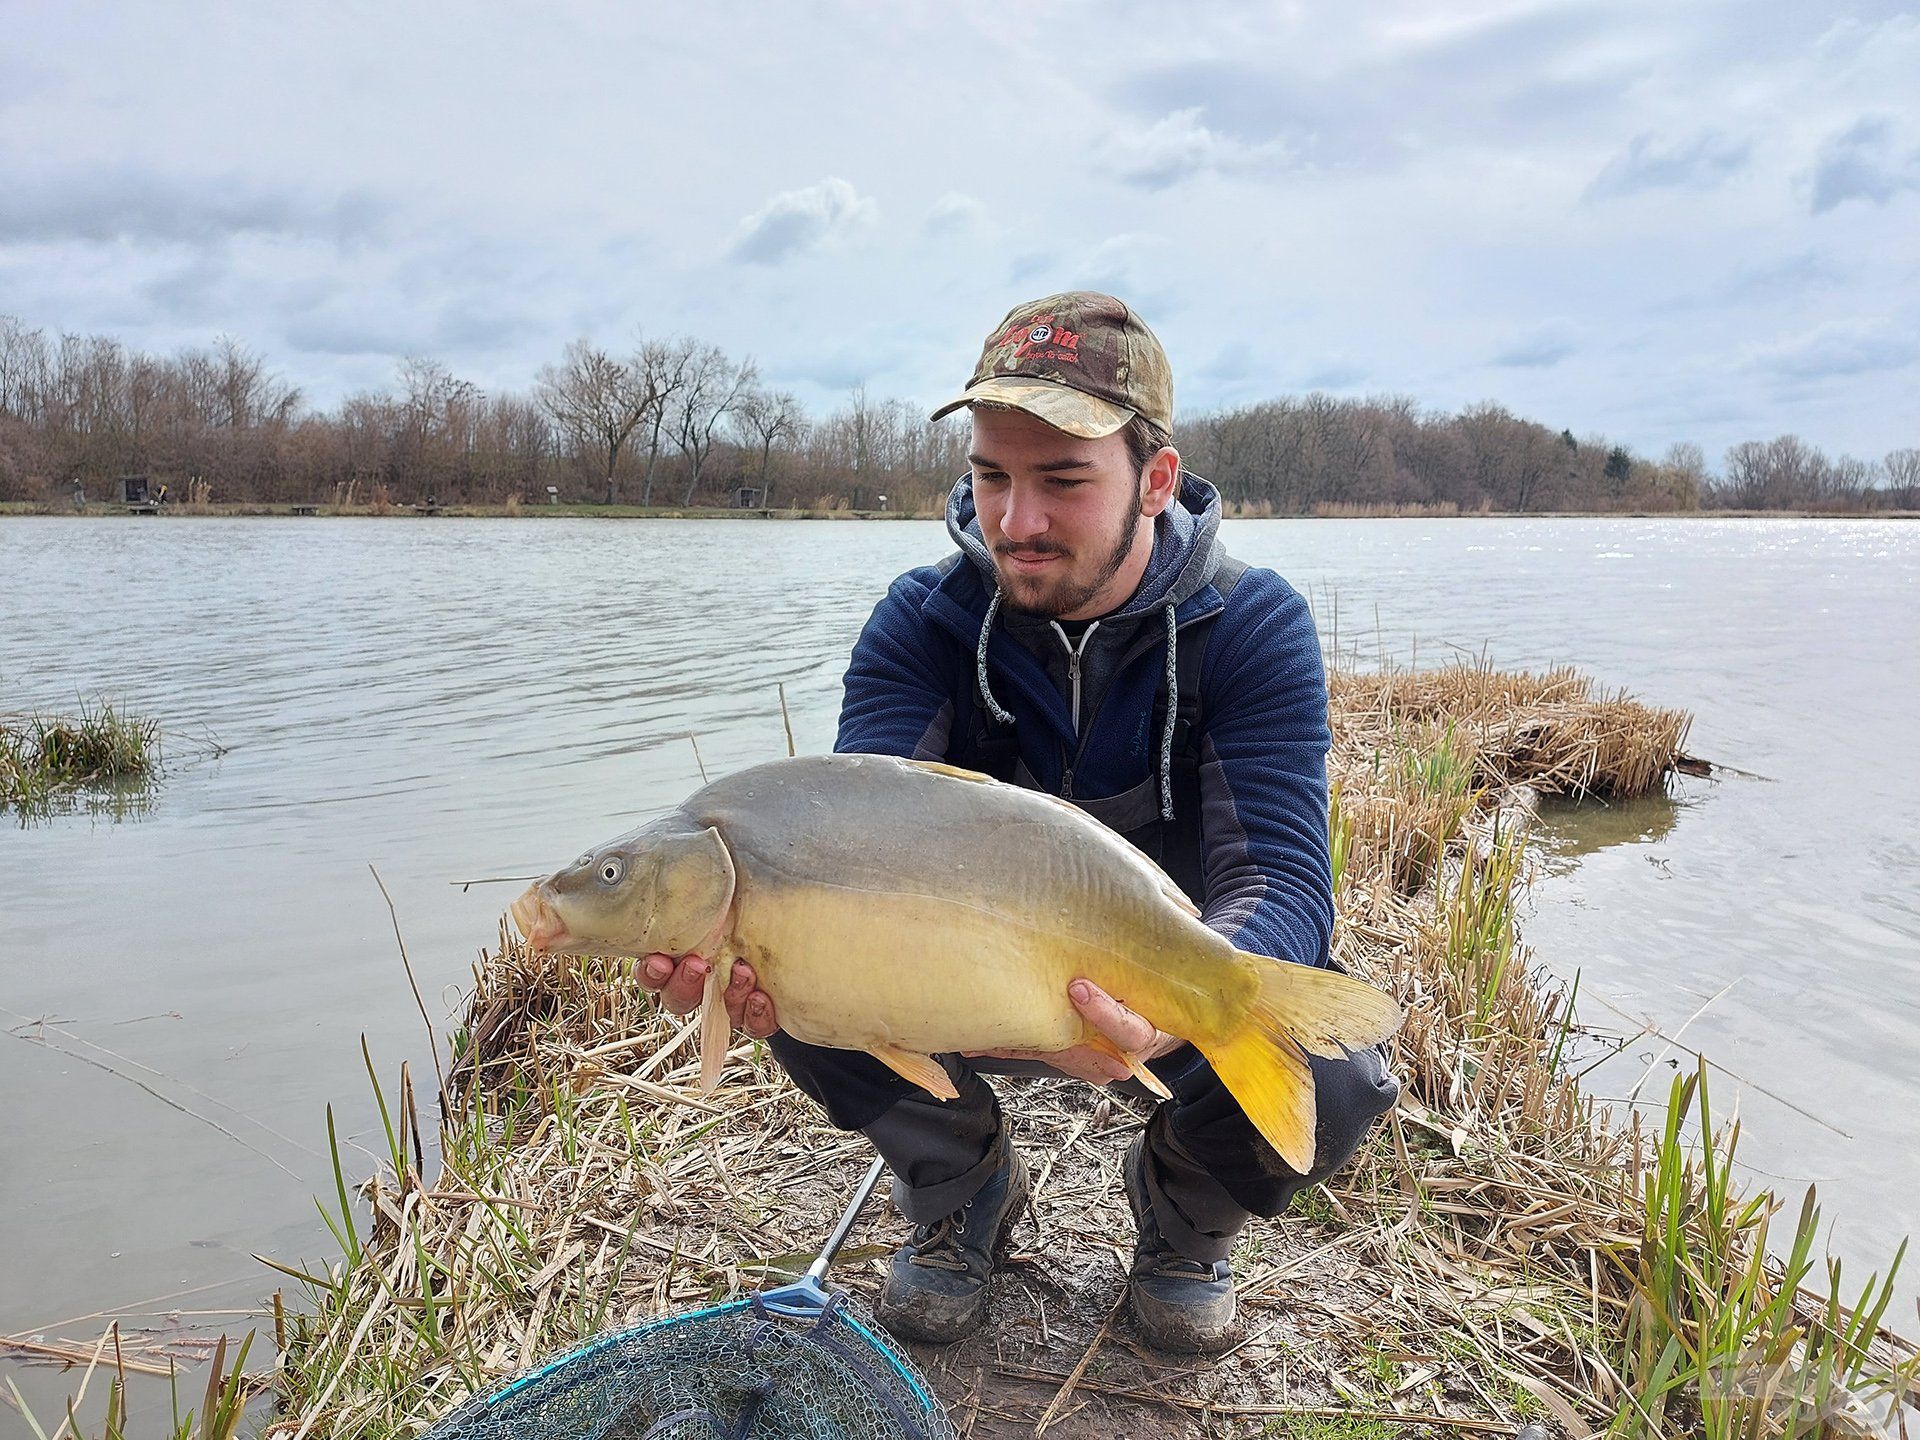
pixel 1026 515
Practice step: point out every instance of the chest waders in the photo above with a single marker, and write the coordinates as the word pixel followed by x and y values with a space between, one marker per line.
pixel 993 748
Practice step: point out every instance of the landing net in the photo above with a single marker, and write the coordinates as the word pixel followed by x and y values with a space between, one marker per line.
pixel 801 1362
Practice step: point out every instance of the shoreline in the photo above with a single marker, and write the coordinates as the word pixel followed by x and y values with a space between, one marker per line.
pixel 29 509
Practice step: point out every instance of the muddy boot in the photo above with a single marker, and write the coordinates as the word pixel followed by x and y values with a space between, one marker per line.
pixel 1178 1304
pixel 936 1286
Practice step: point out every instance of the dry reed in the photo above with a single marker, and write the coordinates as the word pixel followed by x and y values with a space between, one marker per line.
pixel 1496 1252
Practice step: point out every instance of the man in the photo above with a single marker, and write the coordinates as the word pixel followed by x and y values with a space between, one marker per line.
pixel 1092 639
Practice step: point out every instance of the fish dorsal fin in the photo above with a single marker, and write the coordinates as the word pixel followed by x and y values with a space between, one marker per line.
pixel 1172 891
pixel 937 767
pixel 1178 896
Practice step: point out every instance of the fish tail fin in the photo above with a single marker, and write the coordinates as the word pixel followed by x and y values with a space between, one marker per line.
pixel 1268 1074
pixel 1300 1009
pixel 716 1027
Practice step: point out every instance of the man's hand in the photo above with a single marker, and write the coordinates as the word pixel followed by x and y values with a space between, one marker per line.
pixel 1132 1033
pixel 680 981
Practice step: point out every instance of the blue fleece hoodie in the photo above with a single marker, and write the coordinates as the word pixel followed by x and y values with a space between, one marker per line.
pixel 921 660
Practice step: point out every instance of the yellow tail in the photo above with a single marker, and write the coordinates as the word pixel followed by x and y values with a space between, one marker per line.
pixel 1263 1064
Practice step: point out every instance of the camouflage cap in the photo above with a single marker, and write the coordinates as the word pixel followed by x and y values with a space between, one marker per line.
pixel 1081 361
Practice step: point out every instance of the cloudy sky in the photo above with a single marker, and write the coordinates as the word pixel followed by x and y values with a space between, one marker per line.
pixel 1656 219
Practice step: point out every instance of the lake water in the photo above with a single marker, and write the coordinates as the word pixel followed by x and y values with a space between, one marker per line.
pixel 184 988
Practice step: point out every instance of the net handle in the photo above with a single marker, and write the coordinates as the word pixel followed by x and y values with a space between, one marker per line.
pixel 818 1270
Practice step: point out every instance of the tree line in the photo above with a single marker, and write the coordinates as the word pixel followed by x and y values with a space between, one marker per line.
pixel 678 422
pixel 1318 454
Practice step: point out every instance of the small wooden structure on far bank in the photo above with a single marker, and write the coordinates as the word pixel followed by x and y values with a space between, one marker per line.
pixel 139 495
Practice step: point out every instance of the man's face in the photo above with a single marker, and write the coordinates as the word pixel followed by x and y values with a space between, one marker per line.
pixel 1060 514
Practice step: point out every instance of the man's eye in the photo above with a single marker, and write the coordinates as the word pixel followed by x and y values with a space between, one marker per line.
pixel 988 477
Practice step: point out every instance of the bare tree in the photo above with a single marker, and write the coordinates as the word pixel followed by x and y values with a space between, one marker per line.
pixel 1683 474
pixel 769 419
pixel 715 386
pixel 1849 483
pixel 1779 474
pixel 25 369
pixel 599 401
pixel 666 366
pixel 1902 471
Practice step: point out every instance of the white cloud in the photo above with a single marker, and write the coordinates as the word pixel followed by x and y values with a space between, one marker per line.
pixel 1292 195
pixel 1862 163
pixel 121 202
pixel 1839 347
pixel 1178 147
pixel 1649 163
pixel 1543 345
pixel 798 221
pixel 957 214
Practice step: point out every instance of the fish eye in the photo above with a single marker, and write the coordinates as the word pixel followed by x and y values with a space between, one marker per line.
pixel 610 872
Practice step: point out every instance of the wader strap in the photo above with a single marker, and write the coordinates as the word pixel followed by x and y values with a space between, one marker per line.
pixel 994 749
pixel 1176 843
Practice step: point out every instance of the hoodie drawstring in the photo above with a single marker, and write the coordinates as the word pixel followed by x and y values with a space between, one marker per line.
pixel 1173 707
pixel 1004 717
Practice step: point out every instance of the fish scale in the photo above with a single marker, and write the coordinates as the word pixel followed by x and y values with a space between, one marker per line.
pixel 910 909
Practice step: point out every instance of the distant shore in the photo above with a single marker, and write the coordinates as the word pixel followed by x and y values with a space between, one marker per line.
pixel 261 509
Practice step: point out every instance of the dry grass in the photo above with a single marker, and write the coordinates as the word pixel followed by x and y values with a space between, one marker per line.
pixel 1500 1249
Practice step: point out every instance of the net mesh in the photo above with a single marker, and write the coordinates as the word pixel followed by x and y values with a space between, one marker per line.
pixel 744 1370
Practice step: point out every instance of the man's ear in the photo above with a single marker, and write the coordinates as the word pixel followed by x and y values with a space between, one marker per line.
pixel 1160 481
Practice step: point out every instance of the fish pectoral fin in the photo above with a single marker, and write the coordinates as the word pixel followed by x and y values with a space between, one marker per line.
pixel 716 1027
pixel 954 771
pixel 923 1070
pixel 1106 1045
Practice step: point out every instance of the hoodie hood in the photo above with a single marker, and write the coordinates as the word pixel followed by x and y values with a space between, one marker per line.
pixel 1186 545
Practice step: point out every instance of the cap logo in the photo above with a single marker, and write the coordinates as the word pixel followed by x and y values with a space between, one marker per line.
pixel 1038 340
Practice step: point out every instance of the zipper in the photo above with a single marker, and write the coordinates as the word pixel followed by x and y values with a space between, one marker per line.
pixel 1133 653
pixel 1073 665
pixel 1073 685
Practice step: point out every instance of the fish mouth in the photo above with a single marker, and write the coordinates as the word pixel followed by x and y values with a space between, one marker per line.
pixel 535 918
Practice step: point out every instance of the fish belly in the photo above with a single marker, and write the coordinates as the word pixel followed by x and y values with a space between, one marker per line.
pixel 856 970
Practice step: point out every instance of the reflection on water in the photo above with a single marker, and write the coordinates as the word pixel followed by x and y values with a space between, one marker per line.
pixel 112 801
pixel 458 699
pixel 1570 829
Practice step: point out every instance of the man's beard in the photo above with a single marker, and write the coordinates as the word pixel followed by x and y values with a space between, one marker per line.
pixel 1063 597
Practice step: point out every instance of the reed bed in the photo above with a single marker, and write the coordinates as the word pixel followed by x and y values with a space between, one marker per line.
pixel 1504 1249
pixel 47 758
